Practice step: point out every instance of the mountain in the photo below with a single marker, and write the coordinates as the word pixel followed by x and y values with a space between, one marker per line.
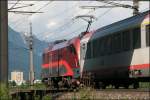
pixel 19 53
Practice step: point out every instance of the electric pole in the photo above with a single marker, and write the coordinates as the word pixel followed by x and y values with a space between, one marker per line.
pixel 30 41
pixel 3 42
pixel 136 7
pixel 31 75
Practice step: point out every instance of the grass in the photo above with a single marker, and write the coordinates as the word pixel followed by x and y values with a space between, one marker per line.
pixel 4 92
pixel 83 94
pixel 47 97
pixel 27 86
pixel 144 85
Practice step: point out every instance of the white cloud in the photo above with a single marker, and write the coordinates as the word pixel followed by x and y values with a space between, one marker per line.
pixel 51 24
pixel 56 21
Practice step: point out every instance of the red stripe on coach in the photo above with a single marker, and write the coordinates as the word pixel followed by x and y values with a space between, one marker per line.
pixel 141 66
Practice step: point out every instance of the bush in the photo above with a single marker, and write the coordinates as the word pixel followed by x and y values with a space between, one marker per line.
pixel 39 86
pixel 4 92
pixel 47 97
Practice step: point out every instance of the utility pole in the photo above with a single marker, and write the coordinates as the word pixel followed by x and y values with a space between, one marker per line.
pixel 3 42
pixel 31 74
pixel 30 39
pixel 136 7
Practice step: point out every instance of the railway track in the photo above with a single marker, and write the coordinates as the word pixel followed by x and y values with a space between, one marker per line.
pixel 103 94
pixel 85 93
pixel 125 90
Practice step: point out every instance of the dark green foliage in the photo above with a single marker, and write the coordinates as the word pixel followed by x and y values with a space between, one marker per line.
pixel 47 97
pixel 4 92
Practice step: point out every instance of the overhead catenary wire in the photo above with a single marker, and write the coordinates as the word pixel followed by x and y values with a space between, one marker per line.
pixel 45 5
pixel 63 27
pixel 79 29
pixel 14 4
pixel 59 28
pixel 58 15
pixel 67 24
pixel 82 27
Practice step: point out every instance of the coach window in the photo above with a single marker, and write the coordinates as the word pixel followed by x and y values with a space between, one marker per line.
pixel 105 45
pixel 98 44
pixel 94 48
pixel 117 42
pixel 147 35
pixel 102 46
pixel 88 53
pixel 108 44
pixel 136 36
pixel 97 48
pixel 114 43
pixel 126 40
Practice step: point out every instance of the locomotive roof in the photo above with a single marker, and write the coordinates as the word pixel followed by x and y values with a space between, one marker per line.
pixel 60 45
pixel 119 26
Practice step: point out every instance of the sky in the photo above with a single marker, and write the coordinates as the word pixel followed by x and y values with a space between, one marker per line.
pixel 57 20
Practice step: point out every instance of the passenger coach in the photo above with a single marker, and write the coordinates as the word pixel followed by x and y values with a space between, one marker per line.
pixel 118 54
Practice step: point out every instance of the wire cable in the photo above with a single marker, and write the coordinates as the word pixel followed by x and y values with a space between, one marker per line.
pixel 14 4
pixel 45 5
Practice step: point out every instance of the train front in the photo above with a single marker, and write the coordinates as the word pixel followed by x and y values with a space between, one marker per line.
pixel 61 63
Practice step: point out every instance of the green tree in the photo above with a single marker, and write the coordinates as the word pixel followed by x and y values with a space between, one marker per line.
pixel 14 83
pixel 4 92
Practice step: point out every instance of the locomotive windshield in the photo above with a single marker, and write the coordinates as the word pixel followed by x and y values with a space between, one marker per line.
pixel 72 49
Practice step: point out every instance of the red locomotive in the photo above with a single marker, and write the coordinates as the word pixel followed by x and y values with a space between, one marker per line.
pixel 61 63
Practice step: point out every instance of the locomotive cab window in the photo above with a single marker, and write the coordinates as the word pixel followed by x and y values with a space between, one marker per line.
pixel 45 58
pixel 147 35
pixel 72 49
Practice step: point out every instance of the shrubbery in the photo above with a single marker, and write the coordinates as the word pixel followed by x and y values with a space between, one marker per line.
pixel 47 97
pixel 4 92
